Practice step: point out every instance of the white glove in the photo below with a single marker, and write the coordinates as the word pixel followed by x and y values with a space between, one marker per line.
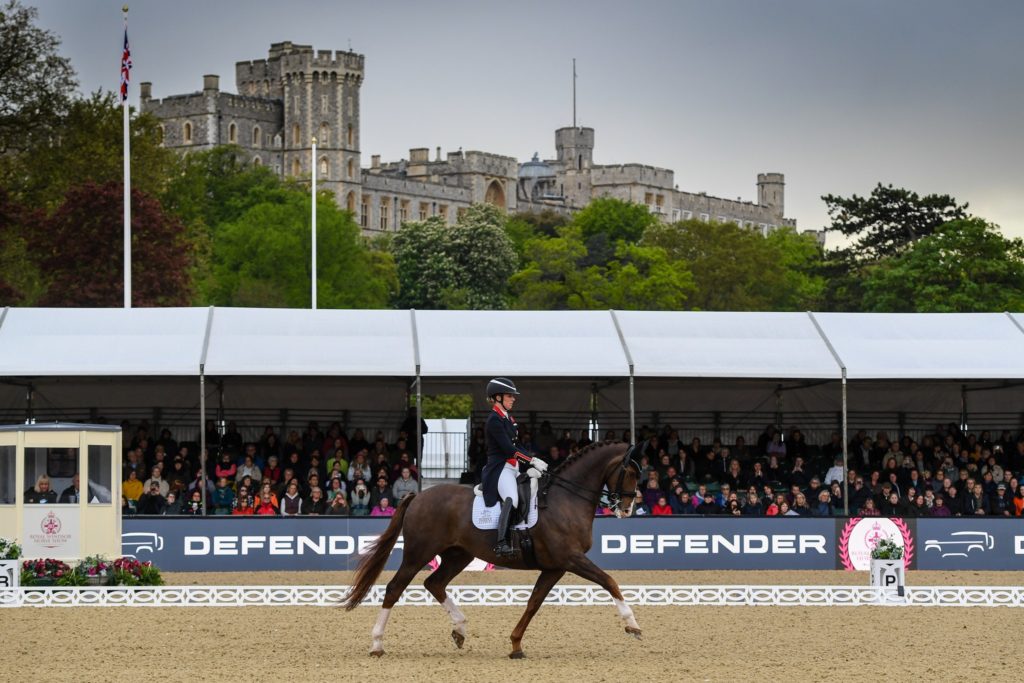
pixel 539 465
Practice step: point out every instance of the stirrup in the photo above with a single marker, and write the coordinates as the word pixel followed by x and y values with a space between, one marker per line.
pixel 504 549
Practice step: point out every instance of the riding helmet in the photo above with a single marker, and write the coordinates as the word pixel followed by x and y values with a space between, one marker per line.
pixel 501 385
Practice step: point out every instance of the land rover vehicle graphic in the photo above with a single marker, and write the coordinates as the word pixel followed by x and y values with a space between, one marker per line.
pixel 961 543
pixel 135 542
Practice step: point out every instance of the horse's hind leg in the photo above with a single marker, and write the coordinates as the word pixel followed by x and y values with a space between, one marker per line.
pixel 547 579
pixel 411 564
pixel 453 561
pixel 582 566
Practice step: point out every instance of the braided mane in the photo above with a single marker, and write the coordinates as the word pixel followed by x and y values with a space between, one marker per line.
pixel 582 452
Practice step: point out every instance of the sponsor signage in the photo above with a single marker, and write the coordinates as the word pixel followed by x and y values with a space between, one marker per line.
pixel 970 543
pixel 51 531
pixel 858 536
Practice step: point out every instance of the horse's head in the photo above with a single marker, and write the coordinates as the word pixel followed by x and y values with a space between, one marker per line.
pixel 621 481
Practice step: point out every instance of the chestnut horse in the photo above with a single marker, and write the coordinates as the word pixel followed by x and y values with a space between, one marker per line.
pixel 437 522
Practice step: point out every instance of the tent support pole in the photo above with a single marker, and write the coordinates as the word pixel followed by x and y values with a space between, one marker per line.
pixel 419 428
pixel 846 456
pixel 593 412
pixel 632 409
pixel 202 432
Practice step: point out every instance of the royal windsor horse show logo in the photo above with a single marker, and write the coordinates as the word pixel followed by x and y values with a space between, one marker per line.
pixel 50 524
pixel 53 535
pixel 860 535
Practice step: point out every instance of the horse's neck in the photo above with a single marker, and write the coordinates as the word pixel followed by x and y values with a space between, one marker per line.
pixel 590 474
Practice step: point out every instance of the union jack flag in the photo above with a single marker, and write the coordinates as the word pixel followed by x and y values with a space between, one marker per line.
pixel 126 66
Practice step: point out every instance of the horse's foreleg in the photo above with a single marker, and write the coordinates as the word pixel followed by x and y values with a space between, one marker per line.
pixel 453 561
pixel 547 579
pixel 394 590
pixel 583 567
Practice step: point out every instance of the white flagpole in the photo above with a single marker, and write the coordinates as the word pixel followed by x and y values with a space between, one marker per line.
pixel 313 185
pixel 127 193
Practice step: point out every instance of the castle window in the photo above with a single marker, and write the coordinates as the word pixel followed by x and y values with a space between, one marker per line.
pixel 324 138
pixel 256 139
pixel 424 211
pixel 350 136
pixel 325 170
pixel 705 217
pixel 722 219
pixel 579 163
pixel 351 169
pixel 296 167
pixel 232 133
pixel 296 136
pixel 350 202
pixel 403 211
pixel 687 215
pixel 442 211
pixel 364 216
pixel 384 213
pixel 186 133
pixel 256 161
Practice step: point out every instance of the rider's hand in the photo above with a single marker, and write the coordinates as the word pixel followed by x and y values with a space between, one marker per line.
pixel 539 465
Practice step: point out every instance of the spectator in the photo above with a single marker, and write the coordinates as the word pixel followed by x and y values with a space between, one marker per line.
pixel 652 491
pixel 41 493
pixel 73 493
pixel 155 476
pixel 266 488
pixel 1000 505
pixel 265 505
pixel 722 499
pixel 800 505
pixel 823 506
pixel 153 502
pixel 272 472
pixel 291 502
pixel 835 473
pixel 661 507
pixel 194 505
pixel 836 497
pixel 869 509
pixel 173 506
pixel 249 469
pixel 758 479
pixel 132 487
pixel 317 504
pixel 752 507
pixel 940 509
pixel 709 506
pixel 243 503
pixel 786 511
pixel 359 468
pixel 383 508
pixel 680 502
pixel 223 499
pixel 339 506
pixel 976 503
pixel 129 508
pixel 381 489
pixel 404 485
pixel 891 506
pixel 360 499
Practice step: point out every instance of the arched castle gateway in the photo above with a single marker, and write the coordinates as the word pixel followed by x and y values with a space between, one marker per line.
pixel 297 93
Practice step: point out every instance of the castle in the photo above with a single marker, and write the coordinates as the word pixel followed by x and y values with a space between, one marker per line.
pixel 298 94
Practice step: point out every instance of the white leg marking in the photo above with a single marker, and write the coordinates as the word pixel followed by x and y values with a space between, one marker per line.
pixel 626 613
pixel 458 618
pixel 378 631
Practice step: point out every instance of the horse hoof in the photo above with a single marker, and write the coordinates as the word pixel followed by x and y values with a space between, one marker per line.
pixel 376 653
pixel 459 639
pixel 518 654
pixel 635 632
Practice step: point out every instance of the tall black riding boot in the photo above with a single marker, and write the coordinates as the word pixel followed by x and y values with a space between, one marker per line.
pixel 504 548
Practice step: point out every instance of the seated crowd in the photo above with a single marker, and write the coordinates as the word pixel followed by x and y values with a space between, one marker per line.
pixel 315 473
pixel 946 473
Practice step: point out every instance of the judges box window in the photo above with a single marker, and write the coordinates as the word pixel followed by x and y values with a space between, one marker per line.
pixel 7 469
pixel 48 471
pixel 100 488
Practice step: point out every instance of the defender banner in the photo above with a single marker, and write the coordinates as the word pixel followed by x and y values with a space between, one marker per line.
pixel 970 543
pixel 334 543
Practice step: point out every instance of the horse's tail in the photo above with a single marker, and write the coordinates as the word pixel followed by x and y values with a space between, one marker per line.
pixel 373 562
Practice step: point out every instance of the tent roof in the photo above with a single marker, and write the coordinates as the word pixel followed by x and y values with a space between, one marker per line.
pixel 292 342
pixel 926 345
pixel 101 341
pixel 706 344
pixel 519 344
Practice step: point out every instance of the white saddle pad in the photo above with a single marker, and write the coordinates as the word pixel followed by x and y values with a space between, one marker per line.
pixel 487 517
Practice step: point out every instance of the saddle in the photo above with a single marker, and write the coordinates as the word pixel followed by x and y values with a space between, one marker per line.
pixel 521 514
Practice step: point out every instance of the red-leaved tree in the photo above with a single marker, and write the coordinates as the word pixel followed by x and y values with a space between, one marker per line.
pixel 80 251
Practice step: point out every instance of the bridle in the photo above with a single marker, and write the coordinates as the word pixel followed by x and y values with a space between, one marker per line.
pixel 615 494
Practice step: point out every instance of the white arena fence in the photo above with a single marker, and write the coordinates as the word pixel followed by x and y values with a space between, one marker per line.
pixel 515 596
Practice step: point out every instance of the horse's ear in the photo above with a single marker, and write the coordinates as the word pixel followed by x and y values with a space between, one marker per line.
pixel 628 457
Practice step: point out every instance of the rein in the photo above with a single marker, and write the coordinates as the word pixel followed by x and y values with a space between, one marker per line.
pixel 592 496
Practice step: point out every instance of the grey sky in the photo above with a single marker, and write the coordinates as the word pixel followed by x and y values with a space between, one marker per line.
pixel 837 95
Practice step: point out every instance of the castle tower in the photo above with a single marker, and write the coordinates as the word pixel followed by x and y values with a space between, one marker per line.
pixel 575 148
pixel 319 92
pixel 771 192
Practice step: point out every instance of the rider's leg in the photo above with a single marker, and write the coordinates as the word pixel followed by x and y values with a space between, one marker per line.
pixel 508 494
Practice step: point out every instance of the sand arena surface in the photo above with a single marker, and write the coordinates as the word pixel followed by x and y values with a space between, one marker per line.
pixel 579 643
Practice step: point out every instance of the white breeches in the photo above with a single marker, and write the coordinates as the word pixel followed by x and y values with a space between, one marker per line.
pixel 507 487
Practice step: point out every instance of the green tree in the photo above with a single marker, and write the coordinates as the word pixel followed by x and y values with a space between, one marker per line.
pixel 964 266
pixel 262 258
pixel 615 219
pixel 736 269
pixel 88 146
pixel 464 266
pixel 557 277
pixel 21 281
pixel 36 83
pixel 889 220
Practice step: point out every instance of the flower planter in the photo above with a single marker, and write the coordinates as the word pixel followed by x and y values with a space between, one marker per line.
pixel 889 575
pixel 10 573
pixel 96 580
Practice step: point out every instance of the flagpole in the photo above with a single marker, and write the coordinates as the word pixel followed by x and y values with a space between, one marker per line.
pixel 127 173
pixel 313 184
